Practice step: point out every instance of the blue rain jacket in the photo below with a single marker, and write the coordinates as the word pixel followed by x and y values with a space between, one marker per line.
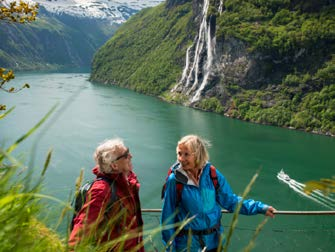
pixel 202 203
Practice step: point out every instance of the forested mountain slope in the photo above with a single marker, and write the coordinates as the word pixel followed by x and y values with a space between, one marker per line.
pixel 263 61
pixel 148 51
pixel 52 42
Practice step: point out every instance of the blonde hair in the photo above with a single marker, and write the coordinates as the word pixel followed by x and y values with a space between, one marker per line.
pixel 197 146
pixel 106 153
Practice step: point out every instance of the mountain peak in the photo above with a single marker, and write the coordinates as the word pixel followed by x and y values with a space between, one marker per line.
pixel 116 11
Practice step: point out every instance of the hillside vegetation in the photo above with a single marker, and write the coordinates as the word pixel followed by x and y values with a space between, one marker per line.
pixel 292 40
pixel 147 52
pixel 52 42
pixel 296 39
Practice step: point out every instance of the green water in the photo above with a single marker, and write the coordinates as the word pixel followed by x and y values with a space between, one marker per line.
pixel 87 114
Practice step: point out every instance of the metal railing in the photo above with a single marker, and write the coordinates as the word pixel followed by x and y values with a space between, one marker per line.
pixel 157 210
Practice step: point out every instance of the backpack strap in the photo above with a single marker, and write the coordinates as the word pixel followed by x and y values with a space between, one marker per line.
pixel 179 189
pixel 171 169
pixel 112 185
pixel 179 185
pixel 214 178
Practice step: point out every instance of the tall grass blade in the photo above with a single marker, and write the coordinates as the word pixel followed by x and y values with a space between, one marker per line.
pixel 6 113
pixel 251 244
pixel 236 213
pixel 180 227
pixel 46 163
pixel 14 162
pixel 45 167
pixel 31 131
pixel 11 198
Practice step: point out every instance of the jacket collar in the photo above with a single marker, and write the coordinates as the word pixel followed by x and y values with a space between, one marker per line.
pixel 182 176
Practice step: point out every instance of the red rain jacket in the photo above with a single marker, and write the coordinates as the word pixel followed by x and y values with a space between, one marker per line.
pixel 125 215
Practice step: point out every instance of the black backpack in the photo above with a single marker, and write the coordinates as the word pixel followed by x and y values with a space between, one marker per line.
pixel 80 198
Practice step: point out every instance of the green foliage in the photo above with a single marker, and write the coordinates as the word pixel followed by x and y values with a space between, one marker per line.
pixel 18 11
pixel 277 27
pixel 300 36
pixel 74 41
pixel 174 97
pixel 20 205
pixel 211 104
pixel 292 80
pixel 327 186
pixel 314 111
pixel 21 231
pixel 147 53
pixel 292 40
pixel 326 75
pixel 5 77
pixel 317 111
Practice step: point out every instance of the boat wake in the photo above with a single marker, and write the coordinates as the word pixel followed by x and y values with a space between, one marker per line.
pixel 315 195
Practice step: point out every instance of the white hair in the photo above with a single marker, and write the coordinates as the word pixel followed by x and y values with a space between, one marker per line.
pixel 106 153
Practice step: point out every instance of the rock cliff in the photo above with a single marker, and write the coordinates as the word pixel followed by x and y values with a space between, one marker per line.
pixel 269 62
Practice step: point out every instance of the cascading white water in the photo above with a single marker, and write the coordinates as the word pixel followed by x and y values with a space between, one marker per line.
pixel 202 60
pixel 208 66
pixel 221 7
pixel 194 70
pixel 202 37
pixel 185 71
pixel 187 64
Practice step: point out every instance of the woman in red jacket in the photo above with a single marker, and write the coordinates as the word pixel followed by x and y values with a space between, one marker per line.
pixel 119 228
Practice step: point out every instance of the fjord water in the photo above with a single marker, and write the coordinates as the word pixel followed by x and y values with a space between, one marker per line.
pixel 89 113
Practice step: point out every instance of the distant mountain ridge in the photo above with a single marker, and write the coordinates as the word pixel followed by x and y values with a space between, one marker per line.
pixel 65 35
pixel 115 11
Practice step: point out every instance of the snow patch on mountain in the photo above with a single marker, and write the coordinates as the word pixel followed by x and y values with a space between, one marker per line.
pixel 117 11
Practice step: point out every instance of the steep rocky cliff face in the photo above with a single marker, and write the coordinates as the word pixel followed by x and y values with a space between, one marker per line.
pixel 200 63
pixel 262 61
pixel 214 62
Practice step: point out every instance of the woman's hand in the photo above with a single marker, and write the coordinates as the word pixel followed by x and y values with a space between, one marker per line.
pixel 270 212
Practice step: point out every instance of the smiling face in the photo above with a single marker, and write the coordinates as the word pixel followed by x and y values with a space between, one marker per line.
pixel 186 157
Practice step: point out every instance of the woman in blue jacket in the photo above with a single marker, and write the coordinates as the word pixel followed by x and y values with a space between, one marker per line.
pixel 192 192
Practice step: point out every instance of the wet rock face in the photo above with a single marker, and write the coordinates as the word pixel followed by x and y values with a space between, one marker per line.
pixel 233 64
pixel 212 63
pixel 236 65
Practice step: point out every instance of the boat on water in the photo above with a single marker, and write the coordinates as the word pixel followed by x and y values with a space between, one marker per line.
pixel 283 176
pixel 315 195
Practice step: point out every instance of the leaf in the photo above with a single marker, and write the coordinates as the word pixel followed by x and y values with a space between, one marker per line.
pixel 237 211
pixel 325 185
pixel 47 161
pixel 32 130
pixel 251 244
pixel 6 113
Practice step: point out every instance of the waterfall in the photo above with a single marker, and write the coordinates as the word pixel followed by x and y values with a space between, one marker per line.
pixel 208 66
pixel 197 70
pixel 184 75
pixel 221 7
pixel 187 64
